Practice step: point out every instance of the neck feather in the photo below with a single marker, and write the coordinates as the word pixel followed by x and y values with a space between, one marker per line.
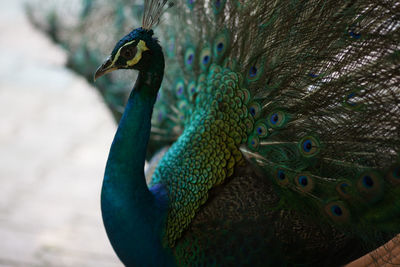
pixel 133 216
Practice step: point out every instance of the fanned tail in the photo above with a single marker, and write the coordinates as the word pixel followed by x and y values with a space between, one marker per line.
pixel 322 82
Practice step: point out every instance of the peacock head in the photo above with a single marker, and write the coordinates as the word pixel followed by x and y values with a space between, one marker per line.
pixel 137 50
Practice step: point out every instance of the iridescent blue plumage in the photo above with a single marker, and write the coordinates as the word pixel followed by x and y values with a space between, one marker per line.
pixel 130 210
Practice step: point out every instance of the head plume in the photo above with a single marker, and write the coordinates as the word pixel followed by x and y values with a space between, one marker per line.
pixel 153 10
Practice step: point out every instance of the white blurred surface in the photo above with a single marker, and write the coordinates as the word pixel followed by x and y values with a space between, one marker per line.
pixel 55 134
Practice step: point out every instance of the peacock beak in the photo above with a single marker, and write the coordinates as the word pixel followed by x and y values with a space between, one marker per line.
pixel 105 68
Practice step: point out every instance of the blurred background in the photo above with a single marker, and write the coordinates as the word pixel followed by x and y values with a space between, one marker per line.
pixel 55 133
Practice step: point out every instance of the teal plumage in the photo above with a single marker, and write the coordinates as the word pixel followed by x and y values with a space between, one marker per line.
pixel 282 120
pixel 207 151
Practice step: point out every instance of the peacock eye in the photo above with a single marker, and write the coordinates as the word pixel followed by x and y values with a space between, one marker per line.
pixel 367 181
pixel 336 210
pixel 344 189
pixel 281 177
pixel 206 59
pixel 128 52
pixel 253 72
pixel 370 185
pixel 303 181
pixel 190 59
pixel 309 146
pixel 220 46
pixel 277 119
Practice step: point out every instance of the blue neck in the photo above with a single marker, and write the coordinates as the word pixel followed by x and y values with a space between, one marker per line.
pixel 133 216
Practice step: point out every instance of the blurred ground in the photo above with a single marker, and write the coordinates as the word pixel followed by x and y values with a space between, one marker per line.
pixel 54 139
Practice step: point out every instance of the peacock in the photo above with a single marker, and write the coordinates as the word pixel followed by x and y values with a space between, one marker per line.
pixel 284 121
pixel 277 129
